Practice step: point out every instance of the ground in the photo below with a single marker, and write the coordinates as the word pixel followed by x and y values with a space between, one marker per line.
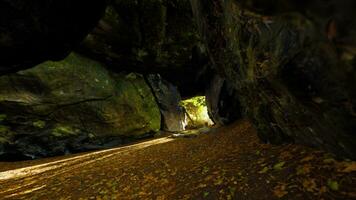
pixel 225 163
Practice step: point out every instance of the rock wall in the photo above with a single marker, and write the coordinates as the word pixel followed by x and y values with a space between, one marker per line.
pixel 292 76
pixel 35 31
pixel 150 36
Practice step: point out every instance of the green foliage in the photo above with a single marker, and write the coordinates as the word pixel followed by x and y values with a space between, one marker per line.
pixel 197 101
pixel 197 112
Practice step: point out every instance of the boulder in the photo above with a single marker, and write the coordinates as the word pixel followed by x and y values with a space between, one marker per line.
pixel 68 105
pixel 168 99
pixel 35 31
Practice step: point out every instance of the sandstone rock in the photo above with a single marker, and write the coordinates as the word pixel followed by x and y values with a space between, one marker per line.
pixel 168 98
pixel 280 64
pixel 150 36
pixel 58 105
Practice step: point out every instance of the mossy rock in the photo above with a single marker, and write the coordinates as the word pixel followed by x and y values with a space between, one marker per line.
pixel 74 97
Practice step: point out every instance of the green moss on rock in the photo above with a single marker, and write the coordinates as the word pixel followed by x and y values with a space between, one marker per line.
pixel 39 124
pixel 62 131
pixel 3 129
pixel 3 140
pixel 81 93
pixel 5 134
pixel 2 117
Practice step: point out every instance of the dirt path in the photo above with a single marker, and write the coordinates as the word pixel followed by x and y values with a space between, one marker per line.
pixel 228 163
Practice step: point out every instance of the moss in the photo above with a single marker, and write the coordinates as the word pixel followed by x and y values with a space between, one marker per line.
pixel 131 76
pixel 5 134
pixel 80 89
pixel 141 113
pixel 2 117
pixel 4 129
pixel 251 63
pixel 39 124
pixel 3 140
pixel 62 131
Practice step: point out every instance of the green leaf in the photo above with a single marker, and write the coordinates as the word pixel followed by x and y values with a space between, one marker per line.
pixel 206 194
pixel 232 191
pixel 205 170
pixel 279 166
pixel 333 185
pixel 264 170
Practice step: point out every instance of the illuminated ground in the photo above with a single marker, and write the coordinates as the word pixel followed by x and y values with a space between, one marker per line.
pixel 228 163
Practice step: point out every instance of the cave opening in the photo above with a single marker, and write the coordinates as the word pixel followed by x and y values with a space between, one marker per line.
pixel 196 113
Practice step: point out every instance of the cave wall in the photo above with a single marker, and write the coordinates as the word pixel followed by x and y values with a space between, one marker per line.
pixel 151 36
pixel 291 73
pixel 35 31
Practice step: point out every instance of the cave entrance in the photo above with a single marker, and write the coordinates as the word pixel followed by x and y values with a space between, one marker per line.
pixel 196 113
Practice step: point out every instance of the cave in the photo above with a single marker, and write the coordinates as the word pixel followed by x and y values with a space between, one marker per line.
pixel 177 99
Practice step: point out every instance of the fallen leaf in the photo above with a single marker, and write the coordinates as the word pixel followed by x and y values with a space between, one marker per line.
pixel 206 194
pixel 232 191
pixel 349 167
pixel 304 169
pixel 285 155
pixel 279 166
pixel 280 191
pixel 162 197
pixel 329 160
pixel 323 190
pixel 308 158
pixel 205 170
pixel 201 185
pixel 218 181
pixel 264 170
pixel 310 185
pixel 333 185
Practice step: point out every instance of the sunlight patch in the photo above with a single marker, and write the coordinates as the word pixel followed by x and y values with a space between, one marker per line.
pixel 196 113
